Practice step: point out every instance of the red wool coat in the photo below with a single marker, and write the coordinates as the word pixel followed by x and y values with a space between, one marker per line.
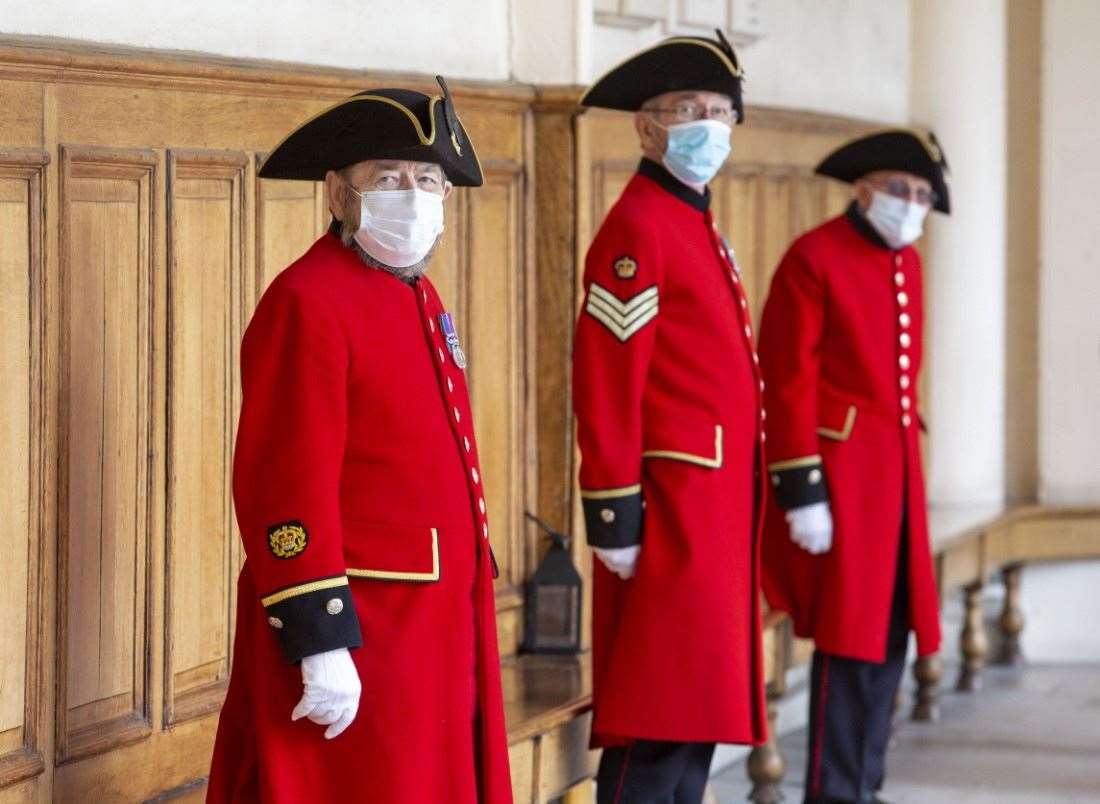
pixel 668 402
pixel 359 498
pixel 840 345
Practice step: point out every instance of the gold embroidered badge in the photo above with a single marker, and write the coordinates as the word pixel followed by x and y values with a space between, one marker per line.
pixel 287 540
pixel 626 267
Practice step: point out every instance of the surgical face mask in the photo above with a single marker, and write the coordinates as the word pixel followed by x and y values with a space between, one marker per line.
pixel 696 150
pixel 399 227
pixel 898 222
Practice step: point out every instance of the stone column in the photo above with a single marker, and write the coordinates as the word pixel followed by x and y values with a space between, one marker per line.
pixel 959 89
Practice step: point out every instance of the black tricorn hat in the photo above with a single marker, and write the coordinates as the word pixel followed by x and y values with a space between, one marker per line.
pixel 378 124
pixel 676 64
pixel 909 150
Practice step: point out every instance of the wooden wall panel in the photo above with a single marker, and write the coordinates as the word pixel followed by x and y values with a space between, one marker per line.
pixel 22 539
pixel 494 323
pixel 106 417
pixel 205 241
pixel 290 215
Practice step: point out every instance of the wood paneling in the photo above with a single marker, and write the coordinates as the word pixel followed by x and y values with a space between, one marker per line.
pixel 290 215
pixel 22 489
pixel 106 420
pixel 205 292
pixel 154 238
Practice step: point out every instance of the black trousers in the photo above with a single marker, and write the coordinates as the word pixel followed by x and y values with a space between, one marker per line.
pixel 654 772
pixel 851 709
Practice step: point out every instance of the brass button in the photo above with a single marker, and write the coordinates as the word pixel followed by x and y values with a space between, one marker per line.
pixel 334 606
pixel 906 420
pixel 903 298
pixel 904 320
pixel 607 515
pixel 466 443
pixel 274 622
pixel 899 279
pixel 814 477
pixel 748 331
pixel 476 476
pixel 906 403
pixel 904 381
pixel 485 529
pixel 906 341
pixel 903 361
pixel 897 260
pixel 450 384
pixel 458 416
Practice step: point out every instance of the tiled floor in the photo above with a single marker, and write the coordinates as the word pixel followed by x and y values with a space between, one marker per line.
pixel 1031 736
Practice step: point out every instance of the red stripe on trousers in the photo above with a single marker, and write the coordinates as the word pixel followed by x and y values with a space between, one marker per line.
pixel 622 775
pixel 822 692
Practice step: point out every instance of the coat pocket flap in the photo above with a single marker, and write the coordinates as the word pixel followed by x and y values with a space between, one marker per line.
pixel 685 440
pixel 835 417
pixel 391 552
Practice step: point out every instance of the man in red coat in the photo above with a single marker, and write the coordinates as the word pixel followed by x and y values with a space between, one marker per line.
pixel 667 394
pixel 365 667
pixel 846 549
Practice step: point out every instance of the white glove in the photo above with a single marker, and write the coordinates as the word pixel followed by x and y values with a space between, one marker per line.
pixel 620 560
pixel 331 694
pixel 812 527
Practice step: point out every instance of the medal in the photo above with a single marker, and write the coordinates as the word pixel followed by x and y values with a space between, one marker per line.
pixel 447 325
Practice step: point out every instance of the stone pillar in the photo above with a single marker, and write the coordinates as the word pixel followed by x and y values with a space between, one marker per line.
pixel 959 89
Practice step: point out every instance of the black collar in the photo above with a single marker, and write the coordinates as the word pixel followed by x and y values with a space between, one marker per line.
pixel 860 223
pixel 669 183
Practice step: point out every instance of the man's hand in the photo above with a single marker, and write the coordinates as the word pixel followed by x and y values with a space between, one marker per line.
pixel 812 527
pixel 331 694
pixel 620 560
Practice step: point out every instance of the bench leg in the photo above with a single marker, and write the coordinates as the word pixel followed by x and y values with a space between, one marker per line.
pixel 972 641
pixel 767 766
pixel 1012 618
pixel 927 670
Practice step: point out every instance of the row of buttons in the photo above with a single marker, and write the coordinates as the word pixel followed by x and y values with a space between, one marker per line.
pixel 743 301
pixel 905 341
pixel 446 369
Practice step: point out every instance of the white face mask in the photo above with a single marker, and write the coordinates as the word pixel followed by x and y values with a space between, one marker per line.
pixel 899 222
pixel 399 227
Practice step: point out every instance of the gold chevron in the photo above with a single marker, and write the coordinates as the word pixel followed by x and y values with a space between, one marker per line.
pixel 622 318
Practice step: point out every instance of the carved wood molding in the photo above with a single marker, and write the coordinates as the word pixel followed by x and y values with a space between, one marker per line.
pixel 31 58
pixel 107 728
pixel 29 166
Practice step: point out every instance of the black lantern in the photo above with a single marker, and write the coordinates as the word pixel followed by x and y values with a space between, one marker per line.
pixel 554 599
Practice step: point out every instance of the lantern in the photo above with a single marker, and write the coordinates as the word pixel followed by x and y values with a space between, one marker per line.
pixel 554 599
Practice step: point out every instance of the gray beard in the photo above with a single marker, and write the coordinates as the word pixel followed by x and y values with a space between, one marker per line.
pixel 409 274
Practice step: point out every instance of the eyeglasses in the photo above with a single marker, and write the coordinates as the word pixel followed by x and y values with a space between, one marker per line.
pixel 690 112
pixel 900 188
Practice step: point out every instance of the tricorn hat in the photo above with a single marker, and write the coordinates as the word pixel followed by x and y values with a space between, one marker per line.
pixel 908 150
pixel 378 124
pixel 682 63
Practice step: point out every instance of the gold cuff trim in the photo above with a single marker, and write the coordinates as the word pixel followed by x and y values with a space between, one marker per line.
pixel 688 457
pixel 795 463
pixel 303 589
pixel 611 494
pixel 387 575
pixel 841 435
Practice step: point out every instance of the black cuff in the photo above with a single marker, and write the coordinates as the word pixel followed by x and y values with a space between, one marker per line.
pixel 314 621
pixel 613 521
pixel 796 486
